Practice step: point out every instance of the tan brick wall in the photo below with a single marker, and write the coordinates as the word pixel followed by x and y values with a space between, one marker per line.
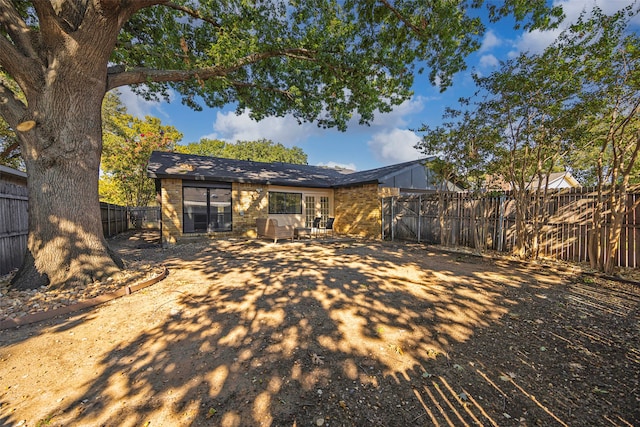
pixel 358 211
pixel 250 201
pixel 171 199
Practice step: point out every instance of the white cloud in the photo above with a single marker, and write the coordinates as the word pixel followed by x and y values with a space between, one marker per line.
pixel 490 41
pixel 332 164
pixel 398 116
pixel 285 130
pixel 536 41
pixel 232 127
pixel 489 61
pixel 395 146
pixel 138 106
pixel 573 8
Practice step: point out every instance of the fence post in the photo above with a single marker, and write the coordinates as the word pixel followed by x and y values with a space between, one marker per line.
pixel 501 223
pixel 419 214
pixel 393 218
pixel 382 217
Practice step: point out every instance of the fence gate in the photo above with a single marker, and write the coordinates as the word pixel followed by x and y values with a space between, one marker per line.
pixel 145 217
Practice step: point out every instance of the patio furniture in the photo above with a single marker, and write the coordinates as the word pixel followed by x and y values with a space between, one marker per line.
pixel 328 228
pixel 323 230
pixel 316 226
pixel 300 232
pixel 269 228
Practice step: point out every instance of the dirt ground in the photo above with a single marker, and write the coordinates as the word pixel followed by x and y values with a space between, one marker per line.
pixel 333 333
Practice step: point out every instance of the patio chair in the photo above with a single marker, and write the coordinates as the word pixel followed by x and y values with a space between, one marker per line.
pixel 324 230
pixel 329 226
pixel 315 227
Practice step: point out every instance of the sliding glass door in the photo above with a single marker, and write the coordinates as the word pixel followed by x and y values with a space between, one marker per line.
pixel 206 208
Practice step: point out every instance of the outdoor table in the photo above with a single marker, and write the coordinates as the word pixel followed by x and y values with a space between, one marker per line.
pixel 300 232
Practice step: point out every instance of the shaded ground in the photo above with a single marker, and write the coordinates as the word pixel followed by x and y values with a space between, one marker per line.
pixel 344 333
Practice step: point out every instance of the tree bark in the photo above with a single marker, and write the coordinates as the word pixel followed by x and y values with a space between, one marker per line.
pixel 66 245
pixel 595 234
pixel 520 247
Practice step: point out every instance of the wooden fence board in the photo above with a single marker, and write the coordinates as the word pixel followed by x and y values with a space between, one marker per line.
pixel 13 225
pixel 565 227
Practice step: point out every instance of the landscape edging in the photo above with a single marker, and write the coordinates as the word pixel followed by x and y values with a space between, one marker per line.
pixel 92 302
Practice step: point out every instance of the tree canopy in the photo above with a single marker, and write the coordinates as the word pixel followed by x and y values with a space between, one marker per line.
pixel 127 145
pixel 263 150
pixel 321 61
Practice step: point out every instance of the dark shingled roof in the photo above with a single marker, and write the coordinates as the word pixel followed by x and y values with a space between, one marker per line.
pixel 192 167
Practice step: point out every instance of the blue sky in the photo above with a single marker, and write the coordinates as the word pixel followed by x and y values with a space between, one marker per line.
pixel 389 138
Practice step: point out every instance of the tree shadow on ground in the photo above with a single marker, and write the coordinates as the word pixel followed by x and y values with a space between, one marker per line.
pixel 354 333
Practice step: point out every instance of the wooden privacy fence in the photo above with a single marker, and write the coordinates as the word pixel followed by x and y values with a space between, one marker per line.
pixel 14 227
pixel 115 219
pixel 461 219
pixel 13 224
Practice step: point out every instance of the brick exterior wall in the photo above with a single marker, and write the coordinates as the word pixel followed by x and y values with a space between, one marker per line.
pixel 249 201
pixel 171 202
pixel 358 211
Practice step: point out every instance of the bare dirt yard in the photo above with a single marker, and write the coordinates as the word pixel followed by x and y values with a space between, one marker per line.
pixel 332 333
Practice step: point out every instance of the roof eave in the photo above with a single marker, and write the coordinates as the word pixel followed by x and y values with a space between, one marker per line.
pixel 197 177
pixel 355 183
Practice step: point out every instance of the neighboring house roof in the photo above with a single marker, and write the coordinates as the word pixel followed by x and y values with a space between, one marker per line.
pixel 187 166
pixel 557 180
pixel 385 174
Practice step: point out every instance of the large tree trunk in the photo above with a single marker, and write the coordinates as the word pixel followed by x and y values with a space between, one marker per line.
pixel 66 245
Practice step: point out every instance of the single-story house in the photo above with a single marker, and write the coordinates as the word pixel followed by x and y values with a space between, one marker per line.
pixel 214 196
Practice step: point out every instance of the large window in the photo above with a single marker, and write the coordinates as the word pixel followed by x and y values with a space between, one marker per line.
pixel 206 207
pixel 285 203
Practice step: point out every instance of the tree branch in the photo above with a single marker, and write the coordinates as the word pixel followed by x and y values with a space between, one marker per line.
pixel 144 75
pixel 17 30
pixel 192 13
pixel 46 17
pixel 10 58
pixel 9 150
pixel 402 18
pixel 12 108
